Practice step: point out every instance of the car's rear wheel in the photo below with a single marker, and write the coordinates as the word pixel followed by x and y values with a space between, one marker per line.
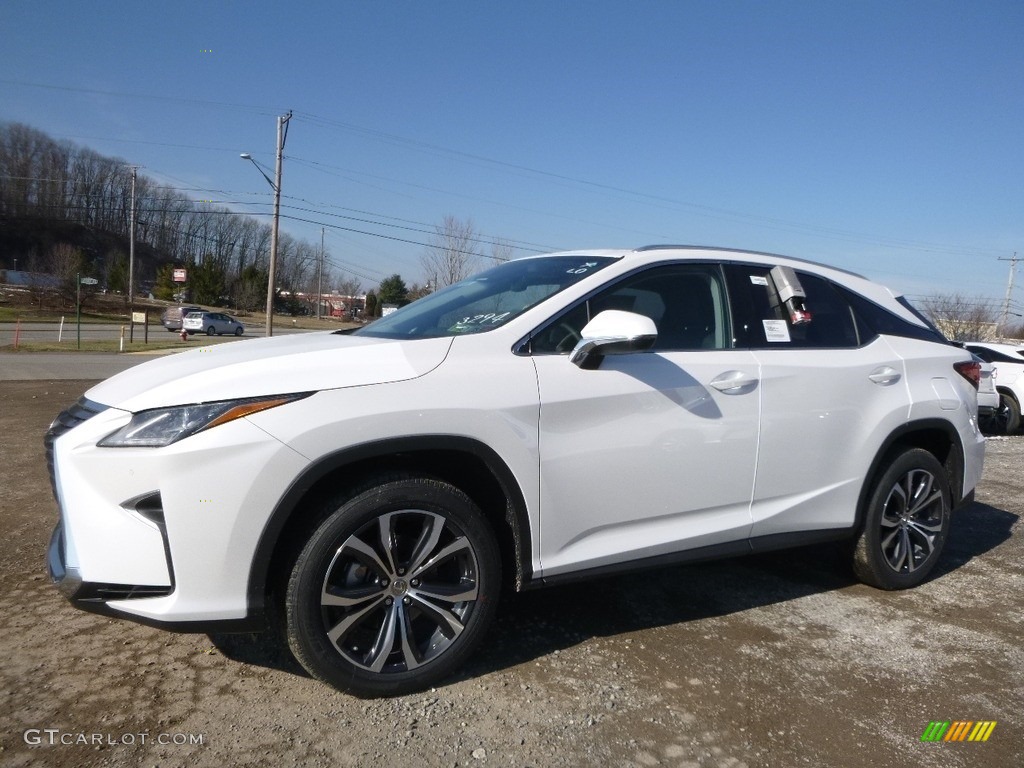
pixel 906 522
pixel 395 589
pixel 1007 418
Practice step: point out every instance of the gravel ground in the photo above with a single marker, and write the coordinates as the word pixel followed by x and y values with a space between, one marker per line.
pixel 776 660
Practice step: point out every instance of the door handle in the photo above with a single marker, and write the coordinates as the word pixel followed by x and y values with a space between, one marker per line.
pixel 734 383
pixel 885 376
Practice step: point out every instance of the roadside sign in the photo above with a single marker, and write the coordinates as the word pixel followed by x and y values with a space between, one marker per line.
pixel 138 317
pixel 180 276
pixel 89 281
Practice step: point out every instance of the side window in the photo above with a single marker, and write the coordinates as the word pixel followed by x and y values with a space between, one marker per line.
pixel 832 323
pixel 767 324
pixel 882 321
pixel 686 302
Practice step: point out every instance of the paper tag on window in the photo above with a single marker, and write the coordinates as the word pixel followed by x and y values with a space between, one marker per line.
pixel 758 280
pixel 776 331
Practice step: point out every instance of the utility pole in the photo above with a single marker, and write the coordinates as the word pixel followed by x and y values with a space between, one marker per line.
pixel 320 275
pixel 1004 316
pixel 131 262
pixel 282 136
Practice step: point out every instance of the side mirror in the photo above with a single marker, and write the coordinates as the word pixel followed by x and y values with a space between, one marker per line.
pixel 613 332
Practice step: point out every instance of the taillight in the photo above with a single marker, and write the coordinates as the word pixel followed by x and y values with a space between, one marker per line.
pixel 970 370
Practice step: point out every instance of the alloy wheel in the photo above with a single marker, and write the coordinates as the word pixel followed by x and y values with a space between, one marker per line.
pixel 399 591
pixel 911 520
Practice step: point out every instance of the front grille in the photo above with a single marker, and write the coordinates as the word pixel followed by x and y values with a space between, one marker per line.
pixel 81 411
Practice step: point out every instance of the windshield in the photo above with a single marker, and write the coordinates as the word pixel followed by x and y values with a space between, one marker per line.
pixel 487 300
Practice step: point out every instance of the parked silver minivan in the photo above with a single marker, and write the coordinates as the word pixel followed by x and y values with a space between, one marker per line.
pixel 172 317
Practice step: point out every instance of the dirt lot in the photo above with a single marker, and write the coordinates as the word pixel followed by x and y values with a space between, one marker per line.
pixel 778 660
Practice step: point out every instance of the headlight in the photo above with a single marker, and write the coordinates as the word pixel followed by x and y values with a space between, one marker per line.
pixel 162 426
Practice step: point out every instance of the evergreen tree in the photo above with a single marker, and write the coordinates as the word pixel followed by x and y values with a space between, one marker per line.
pixel 392 290
pixel 207 282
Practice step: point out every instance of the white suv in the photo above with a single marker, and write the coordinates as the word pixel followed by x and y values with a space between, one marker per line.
pixel 553 418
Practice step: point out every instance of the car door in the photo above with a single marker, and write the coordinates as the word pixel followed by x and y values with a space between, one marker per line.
pixel 831 393
pixel 651 453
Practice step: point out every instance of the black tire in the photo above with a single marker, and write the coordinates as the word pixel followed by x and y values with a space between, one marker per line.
pixel 239 331
pixel 211 331
pixel 370 605
pixel 1007 418
pixel 906 522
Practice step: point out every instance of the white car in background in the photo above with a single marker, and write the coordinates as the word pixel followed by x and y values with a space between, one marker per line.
pixel 212 323
pixel 988 397
pixel 1008 371
pixel 554 418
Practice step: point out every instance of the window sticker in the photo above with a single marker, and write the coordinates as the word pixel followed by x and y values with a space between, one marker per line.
pixel 478 322
pixel 776 331
pixel 758 280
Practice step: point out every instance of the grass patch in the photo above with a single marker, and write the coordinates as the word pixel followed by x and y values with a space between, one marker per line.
pixel 10 314
pixel 28 315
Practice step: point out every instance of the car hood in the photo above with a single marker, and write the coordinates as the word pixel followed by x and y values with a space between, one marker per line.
pixel 280 365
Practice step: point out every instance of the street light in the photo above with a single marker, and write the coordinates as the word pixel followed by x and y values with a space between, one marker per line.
pixel 282 135
pixel 247 156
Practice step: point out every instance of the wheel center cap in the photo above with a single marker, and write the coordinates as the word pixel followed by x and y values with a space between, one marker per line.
pixel 399 587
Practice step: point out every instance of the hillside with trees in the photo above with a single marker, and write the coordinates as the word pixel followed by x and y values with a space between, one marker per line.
pixel 65 207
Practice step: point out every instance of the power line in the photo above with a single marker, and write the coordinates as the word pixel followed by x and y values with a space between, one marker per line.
pixel 151 96
pixel 650 199
pixel 322 168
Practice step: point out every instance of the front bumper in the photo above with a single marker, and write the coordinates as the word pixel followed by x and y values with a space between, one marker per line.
pixel 163 536
pixel 67 579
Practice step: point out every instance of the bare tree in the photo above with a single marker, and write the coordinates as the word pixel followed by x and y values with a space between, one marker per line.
pixel 502 250
pixel 961 318
pixel 1014 331
pixel 349 286
pixel 453 253
pixel 417 291
pixel 67 264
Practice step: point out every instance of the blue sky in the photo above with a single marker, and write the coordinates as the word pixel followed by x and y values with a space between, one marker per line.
pixel 882 137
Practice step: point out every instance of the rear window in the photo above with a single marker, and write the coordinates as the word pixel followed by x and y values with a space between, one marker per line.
pixel 884 322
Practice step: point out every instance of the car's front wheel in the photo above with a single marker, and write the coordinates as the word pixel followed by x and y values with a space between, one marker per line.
pixel 906 522
pixel 395 589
